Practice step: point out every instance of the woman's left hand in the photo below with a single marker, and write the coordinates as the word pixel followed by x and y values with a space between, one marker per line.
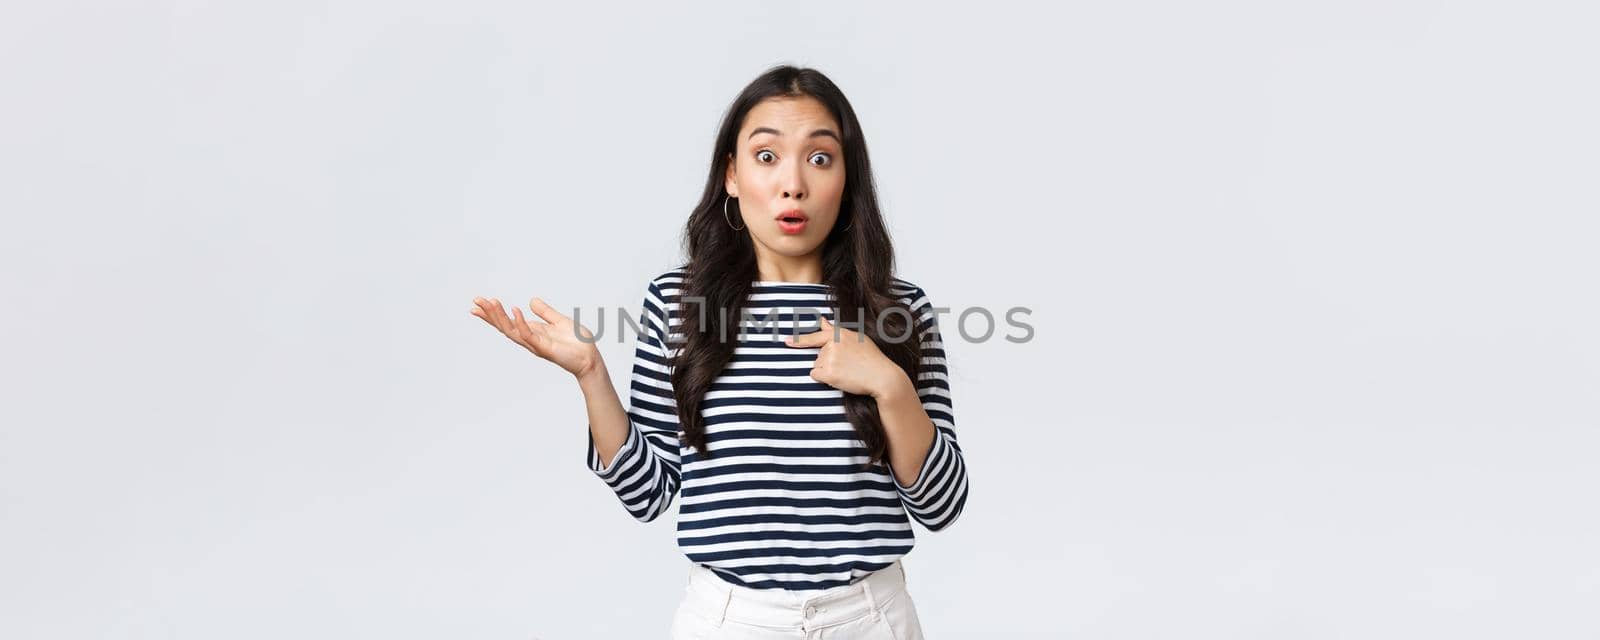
pixel 852 363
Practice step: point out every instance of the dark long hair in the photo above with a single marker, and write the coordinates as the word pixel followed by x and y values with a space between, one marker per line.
pixel 857 265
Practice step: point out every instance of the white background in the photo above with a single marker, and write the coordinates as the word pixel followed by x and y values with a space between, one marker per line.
pixel 1313 290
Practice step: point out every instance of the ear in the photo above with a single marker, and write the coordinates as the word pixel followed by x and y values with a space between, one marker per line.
pixel 728 182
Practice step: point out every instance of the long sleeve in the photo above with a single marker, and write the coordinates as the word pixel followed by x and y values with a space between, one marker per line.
pixel 939 493
pixel 645 473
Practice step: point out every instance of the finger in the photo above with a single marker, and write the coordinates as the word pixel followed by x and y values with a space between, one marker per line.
pixel 519 322
pixel 539 333
pixel 502 320
pixel 524 333
pixel 483 311
pixel 817 338
pixel 828 328
pixel 825 326
pixel 545 312
pixel 813 339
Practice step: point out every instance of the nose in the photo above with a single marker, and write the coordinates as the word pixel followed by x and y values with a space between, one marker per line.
pixel 794 181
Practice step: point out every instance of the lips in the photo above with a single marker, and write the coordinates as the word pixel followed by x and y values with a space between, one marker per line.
pixel 792 216
pixel 792 222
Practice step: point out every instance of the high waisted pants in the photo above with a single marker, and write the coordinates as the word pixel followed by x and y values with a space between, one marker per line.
pixel 874 608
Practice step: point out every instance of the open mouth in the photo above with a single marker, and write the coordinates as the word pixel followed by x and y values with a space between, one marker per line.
pixel 792 221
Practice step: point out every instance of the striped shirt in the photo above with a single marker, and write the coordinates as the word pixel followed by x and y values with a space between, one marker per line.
pixel 783 502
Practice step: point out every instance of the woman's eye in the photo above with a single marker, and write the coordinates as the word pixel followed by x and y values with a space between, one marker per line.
pixel 825 159
pixel 764 156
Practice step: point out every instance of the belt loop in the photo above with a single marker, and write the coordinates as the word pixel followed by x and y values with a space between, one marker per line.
pixel 872 603
pixel 902 565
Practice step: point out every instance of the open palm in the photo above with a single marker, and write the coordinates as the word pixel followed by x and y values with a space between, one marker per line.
pixel 551 337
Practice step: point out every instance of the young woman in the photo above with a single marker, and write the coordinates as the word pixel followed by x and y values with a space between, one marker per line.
pixel 802 456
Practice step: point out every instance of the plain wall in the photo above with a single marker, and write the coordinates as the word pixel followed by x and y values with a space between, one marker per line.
pixel 1313 291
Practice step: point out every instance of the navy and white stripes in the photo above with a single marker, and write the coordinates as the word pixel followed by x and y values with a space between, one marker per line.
pixel 783 502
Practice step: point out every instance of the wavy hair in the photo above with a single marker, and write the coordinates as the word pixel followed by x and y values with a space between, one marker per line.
pixel 857 266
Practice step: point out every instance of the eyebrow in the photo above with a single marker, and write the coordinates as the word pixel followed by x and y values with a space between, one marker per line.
pixel 814 134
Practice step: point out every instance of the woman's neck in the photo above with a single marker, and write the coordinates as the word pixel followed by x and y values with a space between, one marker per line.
pixel 807 269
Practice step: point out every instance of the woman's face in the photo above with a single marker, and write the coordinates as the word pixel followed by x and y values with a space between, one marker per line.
pixel 788 161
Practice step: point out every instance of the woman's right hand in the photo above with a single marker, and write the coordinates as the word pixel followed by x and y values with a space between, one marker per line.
pixel 552 339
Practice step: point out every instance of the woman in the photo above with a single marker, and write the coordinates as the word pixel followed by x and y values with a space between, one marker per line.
pixel 799 454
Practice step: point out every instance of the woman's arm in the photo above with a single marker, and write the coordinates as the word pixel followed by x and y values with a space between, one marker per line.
pixel 909 429
pixel 636 451
pixel 928 467
pixel 608 421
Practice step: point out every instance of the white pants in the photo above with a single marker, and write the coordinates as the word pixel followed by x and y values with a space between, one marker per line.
pixel 875 608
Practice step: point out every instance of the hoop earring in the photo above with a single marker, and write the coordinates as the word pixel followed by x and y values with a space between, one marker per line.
pixel 725 214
